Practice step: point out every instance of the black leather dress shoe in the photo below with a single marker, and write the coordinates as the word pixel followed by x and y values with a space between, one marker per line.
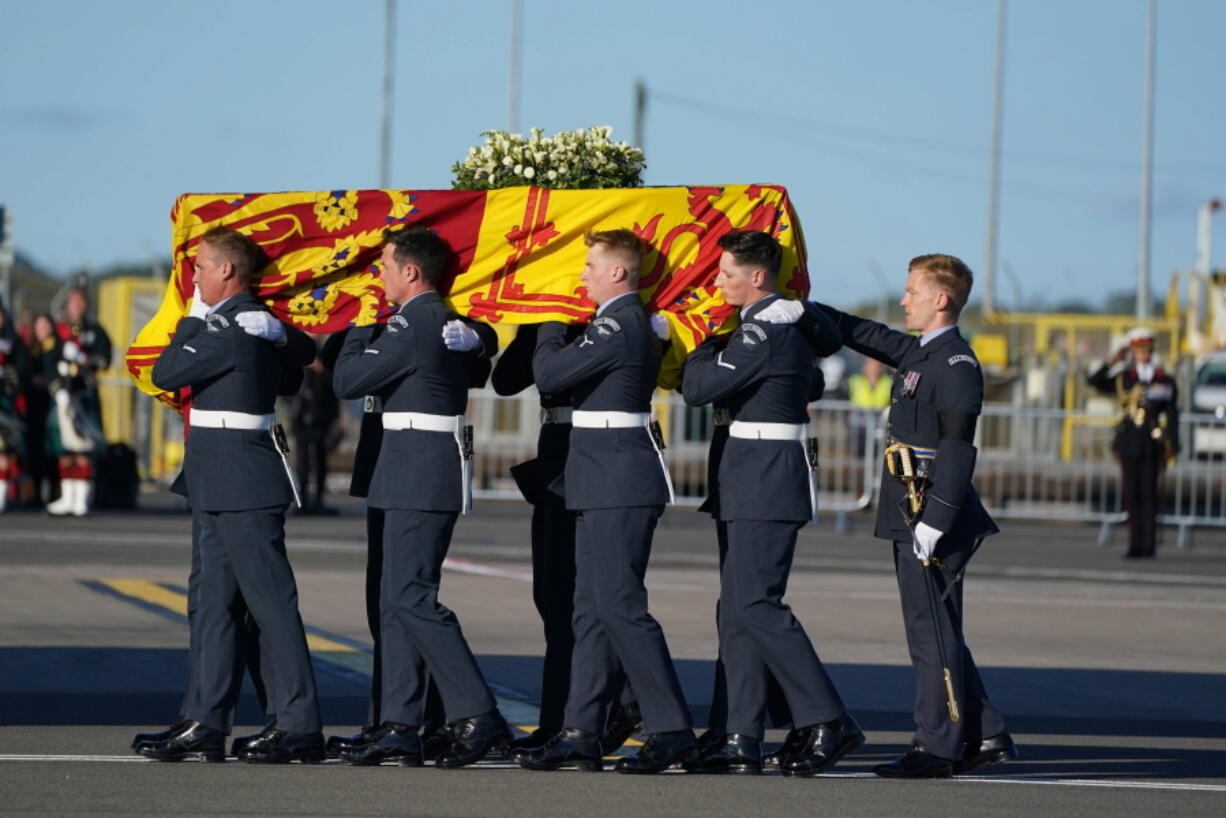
pixel 436 738
pixel 277 746
pixel 621 726
pixel 160 735
pixel 533 741
pixel 916 763
pixel 570 747
pixel 473 739
pixel 711 739
pixel 390 742
pixel 994 750
pixel 339 744
pixel 239 742
pixel 793 744
pixel 659 752
pixel 737 754
pixel 193 740
pixel 828 742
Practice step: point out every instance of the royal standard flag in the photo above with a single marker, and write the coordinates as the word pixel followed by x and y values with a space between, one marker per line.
pixel 518 254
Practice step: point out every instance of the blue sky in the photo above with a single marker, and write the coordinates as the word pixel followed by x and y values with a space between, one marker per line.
pixel 875 115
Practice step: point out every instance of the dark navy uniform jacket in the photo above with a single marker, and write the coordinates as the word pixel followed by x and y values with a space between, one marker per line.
pixel 940 411
pixel 612 366
pixel 764 374
pixel 512 375
pixel 1159 397
pixel 409 369
pixel 230 370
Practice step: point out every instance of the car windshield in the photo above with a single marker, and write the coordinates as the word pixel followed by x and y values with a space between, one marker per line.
pixel 1212 374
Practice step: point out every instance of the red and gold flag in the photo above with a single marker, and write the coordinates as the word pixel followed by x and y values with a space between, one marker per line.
pixel 518 254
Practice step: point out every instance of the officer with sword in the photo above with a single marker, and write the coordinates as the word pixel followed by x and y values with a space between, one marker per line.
pixel 932 514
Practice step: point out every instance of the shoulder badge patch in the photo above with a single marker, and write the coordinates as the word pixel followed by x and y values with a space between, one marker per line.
pixel 216 323
pixel 960 359
pixel 606 327
pixel 397 323
pixel 752 334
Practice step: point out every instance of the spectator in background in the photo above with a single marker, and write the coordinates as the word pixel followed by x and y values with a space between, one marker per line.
pixel 869 393
pixel 75 422
pixel 313 420
pixel 42 353
pixel 12 359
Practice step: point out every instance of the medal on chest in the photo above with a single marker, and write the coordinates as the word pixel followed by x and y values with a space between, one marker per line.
pixel 910 382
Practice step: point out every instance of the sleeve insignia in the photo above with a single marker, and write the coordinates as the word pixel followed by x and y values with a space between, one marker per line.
pixel 752 335
pixel 397 323
pixel 216 323
pixel 960 359
pixel 606 327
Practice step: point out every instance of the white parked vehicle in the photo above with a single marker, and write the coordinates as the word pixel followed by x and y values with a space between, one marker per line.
pixel 1209 397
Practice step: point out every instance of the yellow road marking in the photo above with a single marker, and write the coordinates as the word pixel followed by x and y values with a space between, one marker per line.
pixel 155 594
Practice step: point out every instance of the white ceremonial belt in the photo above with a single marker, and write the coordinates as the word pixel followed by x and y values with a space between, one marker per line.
pixel 220 419
pixel 399 421
pixel 584 419
pixel 556 414
pixel 747 430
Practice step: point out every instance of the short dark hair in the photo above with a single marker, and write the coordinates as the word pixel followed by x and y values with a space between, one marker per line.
pixel 949 273
pixel 624 242
pixel 237 248
pixel 420 245
pixel 753 248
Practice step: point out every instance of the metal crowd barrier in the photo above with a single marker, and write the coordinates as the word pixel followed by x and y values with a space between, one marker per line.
pixel 1046 464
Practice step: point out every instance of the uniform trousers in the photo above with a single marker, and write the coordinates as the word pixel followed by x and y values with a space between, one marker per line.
pixel 374 581
pixel 760 637
pixel 249 634
pixel 776 702
pixel 244 568
pixel 421 638
pixel 1141 478
pixel 613 628
pixel 979 717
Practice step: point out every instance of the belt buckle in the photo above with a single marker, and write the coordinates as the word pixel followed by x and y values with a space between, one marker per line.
pixel 722 417
pixel 549 414
pixel 369 404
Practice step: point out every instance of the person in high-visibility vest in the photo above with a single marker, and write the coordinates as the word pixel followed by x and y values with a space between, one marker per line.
pixel 869 392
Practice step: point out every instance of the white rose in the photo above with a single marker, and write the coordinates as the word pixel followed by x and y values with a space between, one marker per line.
pixel 529 172
pixel 507 161
pixel 553 174
pixel 519 169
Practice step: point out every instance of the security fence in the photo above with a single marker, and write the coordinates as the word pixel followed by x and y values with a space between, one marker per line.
pixel 1045 464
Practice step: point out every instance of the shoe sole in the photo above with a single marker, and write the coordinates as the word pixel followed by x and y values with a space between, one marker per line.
pixel 847 747
pixel 581 766
pixel 687 759
pixel 403 762
pixel 999 757
pixel 315 757
pixel 210 757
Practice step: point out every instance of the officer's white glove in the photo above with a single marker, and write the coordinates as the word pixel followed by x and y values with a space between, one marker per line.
pixel 659 325
pixel 925 541
pixel 782 311
pixel 262 325
pixel 72 352
pixel 199 309
pixel 61 398
pixel 459 337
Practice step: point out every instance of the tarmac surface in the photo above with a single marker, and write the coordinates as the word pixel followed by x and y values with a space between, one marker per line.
pixel 1111 673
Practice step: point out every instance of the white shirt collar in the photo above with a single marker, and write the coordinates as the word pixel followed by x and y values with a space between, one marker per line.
pixel 414 298
pixel 614 300
pixel 1145 372
pixel 929 336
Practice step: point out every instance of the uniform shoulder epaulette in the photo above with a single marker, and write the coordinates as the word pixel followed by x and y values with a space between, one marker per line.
pixel 216 322
pixel 963 359
pixel 752 334
pixel 606 327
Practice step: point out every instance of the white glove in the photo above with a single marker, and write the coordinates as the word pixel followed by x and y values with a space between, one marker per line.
pixel 782 311
pixel 72 352
pixel 925 541
pixel 199 308
pixel 459 337
pixel 262 325
pixel 61 398
pixel 659 325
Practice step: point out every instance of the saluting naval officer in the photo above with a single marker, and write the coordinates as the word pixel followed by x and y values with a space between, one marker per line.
pixel 766 495
pixel 615 479
pixel 435 737
pixel 934 408
pixel 553 546
pixel 421 482
pixel 236 482
pixel 1147 436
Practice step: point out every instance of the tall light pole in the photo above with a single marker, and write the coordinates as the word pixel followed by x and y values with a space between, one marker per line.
pixel 998 93
pixel 517 23
pixel 389 74
pixel 640 113
pixel 1144 309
